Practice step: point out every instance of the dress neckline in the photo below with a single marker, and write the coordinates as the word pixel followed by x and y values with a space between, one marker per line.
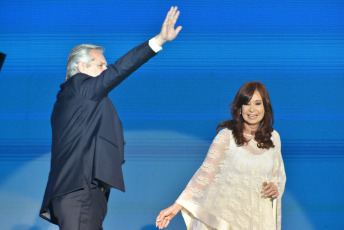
pixel 248 134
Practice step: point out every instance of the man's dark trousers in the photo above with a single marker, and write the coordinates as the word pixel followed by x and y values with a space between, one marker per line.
pixel 81 210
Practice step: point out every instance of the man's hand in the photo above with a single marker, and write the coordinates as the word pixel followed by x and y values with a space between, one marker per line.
pixel 168 33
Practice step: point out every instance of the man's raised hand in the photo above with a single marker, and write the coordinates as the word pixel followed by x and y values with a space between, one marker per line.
pixel 168 33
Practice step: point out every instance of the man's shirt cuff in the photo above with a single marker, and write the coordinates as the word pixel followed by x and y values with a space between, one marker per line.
pixel 155 47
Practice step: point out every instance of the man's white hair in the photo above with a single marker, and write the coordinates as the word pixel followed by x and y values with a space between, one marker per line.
pixel 80 53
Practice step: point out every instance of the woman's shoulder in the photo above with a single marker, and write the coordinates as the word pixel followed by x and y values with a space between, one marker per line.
pixel 223 136
pixel 275 133
pixel 276 137
pixel 225 131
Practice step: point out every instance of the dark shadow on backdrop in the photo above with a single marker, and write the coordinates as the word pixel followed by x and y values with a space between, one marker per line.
pixel 2 59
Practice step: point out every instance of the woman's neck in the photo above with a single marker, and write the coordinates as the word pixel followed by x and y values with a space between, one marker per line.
pixel 250 129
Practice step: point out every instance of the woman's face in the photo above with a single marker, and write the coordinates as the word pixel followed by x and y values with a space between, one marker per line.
pixel 253 112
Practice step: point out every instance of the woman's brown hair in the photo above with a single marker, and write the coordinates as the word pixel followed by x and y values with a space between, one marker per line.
pixel 263 133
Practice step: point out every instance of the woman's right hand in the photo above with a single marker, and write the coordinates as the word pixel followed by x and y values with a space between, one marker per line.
pixel 166 215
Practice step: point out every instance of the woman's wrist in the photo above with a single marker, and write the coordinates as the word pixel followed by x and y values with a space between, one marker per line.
pixel 177 206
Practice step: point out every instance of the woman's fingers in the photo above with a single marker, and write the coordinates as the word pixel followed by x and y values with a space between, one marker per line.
pixel 270 189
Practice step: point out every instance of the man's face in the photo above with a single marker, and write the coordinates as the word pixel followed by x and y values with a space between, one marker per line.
pixel 98 65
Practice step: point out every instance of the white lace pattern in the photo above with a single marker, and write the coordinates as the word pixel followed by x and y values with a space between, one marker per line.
pixel 226 191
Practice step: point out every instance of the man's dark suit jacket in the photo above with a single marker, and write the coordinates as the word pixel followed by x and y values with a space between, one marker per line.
pixel 87 134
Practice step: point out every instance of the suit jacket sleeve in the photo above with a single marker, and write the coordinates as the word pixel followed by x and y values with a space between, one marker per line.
pixel 95 88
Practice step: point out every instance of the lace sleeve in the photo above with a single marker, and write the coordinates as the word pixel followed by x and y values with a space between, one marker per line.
pixel 209 169
pixel 279 178
pixel 278 174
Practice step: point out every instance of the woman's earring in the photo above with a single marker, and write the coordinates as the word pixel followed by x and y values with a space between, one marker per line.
pixel 240 112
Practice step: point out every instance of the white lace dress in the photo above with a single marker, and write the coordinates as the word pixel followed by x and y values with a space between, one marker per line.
pixel 226 191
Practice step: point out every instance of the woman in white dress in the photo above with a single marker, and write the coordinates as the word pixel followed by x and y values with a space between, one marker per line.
pixel 242 179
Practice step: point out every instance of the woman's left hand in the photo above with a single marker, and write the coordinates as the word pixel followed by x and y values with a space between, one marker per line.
pixel 270 189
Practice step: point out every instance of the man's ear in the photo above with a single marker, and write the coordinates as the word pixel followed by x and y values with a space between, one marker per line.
pixel 82 67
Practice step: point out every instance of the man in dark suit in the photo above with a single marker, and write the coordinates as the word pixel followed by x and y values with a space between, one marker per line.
pixel 87 136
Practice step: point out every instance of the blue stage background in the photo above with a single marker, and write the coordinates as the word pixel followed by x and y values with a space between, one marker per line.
pixel 171 106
